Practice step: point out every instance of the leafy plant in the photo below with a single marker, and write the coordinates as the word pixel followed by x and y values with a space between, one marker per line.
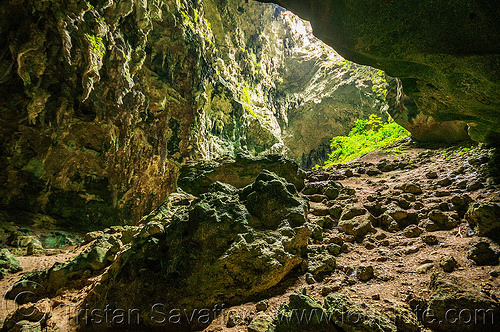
pixel 367 135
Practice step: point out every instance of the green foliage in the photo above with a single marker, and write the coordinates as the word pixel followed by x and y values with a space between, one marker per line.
pixel 345 64
pixel 367 135
pixel 187 19
pixel 195 16
pixel 376 76
pixel 246 100
pixel 97 44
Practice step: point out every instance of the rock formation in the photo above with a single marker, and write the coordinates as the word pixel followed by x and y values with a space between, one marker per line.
pixel 104 101
pixel 224 247
pixel 447 54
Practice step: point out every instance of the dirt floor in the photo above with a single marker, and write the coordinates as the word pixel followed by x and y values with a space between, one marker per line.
pixel 397 259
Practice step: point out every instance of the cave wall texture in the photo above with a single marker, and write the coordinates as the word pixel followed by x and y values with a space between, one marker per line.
pixel 103 101
pixel 446 53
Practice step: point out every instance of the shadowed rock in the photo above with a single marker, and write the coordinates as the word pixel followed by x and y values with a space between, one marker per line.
pixel 224 247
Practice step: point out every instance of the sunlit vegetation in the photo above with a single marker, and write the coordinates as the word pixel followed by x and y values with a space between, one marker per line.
pixel 97 44
pixel 247 101
pixel 367 135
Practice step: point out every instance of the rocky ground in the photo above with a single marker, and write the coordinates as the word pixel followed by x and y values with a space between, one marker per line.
pixel 400 239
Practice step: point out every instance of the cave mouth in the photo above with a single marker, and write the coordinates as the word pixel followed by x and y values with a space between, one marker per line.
pixel 157 167
pixel 314 93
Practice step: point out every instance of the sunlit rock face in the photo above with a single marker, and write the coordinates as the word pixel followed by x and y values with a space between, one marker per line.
pixel 295 92
pixel 447 53
pixel 321 95
pixel 104 101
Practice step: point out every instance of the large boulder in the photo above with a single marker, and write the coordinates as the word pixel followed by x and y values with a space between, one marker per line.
pixel 485 218
pixel 196 176
pixel 302 313
pixel 271 200
pixel 445 53
pixel 219 249
pixel 459 306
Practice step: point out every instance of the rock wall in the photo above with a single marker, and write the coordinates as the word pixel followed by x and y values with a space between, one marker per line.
pixel 105 100
pixel 447 53
pixel 93 125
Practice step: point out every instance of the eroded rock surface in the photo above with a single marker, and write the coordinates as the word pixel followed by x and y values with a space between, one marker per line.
pixel 107 100
pixel 226 246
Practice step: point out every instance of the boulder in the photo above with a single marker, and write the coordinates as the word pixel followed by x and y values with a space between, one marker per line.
pixel 320 263
pixel 302 313
pixel 352 211
pixel 88 263
pixel 357 227
pixel 8 263
pixel 454 301
pixel 330 189
pixel 482 253
pixel 262 305
pixel 272 201
pixel 30 317
pixel 196 176
pixel 350 316
pixel 34 247
pixel 364 273
pixel 485 218
pixel 448 263
pixel 411 188
pixel 260 323
pixel 442 220
pixel 225 247
pixel 429 239
pixel 412 231
pixel 91 236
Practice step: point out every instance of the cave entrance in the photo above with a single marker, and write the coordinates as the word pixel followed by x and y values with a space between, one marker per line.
pixel 296 92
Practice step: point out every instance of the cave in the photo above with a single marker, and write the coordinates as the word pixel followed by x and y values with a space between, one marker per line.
pixel 205 165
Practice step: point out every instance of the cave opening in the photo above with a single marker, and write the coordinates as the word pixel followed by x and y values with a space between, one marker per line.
pixel 296 92
pixel 186 165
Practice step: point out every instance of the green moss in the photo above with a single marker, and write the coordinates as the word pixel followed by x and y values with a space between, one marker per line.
pixel 97 44
pixel 380 84
pixel 195 16
pixel 246 101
